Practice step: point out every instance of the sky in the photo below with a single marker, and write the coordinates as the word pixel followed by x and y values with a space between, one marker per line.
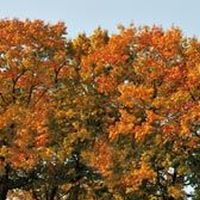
pixel 86 15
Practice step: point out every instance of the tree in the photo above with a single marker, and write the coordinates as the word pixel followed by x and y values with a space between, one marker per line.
pixel 100 116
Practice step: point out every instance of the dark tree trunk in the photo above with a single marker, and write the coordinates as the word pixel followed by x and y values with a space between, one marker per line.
pixel 53 193
pixel 74 192
pixel 3 191
pixel 4 187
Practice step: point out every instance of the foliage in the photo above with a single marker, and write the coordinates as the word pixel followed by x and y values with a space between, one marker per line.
pixel 100 116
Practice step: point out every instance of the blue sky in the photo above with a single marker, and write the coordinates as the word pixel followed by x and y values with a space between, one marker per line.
pixel 85 15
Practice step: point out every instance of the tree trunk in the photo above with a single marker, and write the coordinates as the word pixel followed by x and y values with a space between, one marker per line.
pixel 4 185
pixel 74 193
pixel 53 193
pixel 3 191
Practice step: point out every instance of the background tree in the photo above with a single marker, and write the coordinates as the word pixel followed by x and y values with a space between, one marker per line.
pixel 100 116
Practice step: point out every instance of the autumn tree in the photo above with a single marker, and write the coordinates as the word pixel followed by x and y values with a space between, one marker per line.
pixel 99 116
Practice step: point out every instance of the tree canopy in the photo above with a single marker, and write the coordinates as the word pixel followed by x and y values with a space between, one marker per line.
pixel 99 116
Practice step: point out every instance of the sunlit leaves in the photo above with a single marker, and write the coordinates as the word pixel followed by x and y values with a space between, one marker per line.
pixel 101 158
pixel 176 192
pixel 137 176
pixel 133 95
pixel 124 126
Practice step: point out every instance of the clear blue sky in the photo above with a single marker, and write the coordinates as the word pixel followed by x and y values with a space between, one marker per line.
pixel 85 15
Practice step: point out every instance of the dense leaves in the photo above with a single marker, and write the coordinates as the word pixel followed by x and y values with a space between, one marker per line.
pixel 100 116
